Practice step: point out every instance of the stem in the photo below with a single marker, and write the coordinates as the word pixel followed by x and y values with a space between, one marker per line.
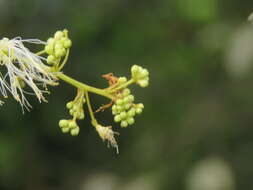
pixel 65 60
pixel 41 52
pixel 131 81
pixel 83 86
pixel 93 120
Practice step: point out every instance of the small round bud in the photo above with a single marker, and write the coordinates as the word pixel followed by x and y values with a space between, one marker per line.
pixel 65 129
pixel 143 83
pixel 50 59
pixel 131 112
pixel 49 49
pixel 122 80
pixel 120 108
pixel 117 118
pixel 75 131
pixel 63 123
pixel 80 115
pixel 130 120
pixel 60 52
pixel 140 105
pixel 119 102
pixel 123 115
pixel 72 124
pixel 123 123
pixel 58 45
pixel 58 35
pixel 127 106
pixel 130 98
pixel 144 73
pixel 135 69
pixel 138 110
pixel 50 41
pixel 114 107
pixel 67 43
pixel 126 92
pixel 71 111
pixel 69 105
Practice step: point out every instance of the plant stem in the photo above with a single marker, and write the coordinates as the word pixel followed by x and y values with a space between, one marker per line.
pixel 41 52
pixel 83 86
pixel 93 120
pixel 122 86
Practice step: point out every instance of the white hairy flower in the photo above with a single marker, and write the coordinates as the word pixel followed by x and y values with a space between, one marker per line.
pixel 18 64
pixel 106 133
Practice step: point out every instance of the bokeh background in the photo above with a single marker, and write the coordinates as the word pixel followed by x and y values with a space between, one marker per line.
pixel 196 131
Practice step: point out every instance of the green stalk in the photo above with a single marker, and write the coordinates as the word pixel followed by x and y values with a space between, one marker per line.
pixel 82 86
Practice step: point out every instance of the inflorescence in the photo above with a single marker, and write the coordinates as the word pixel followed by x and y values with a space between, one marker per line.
pixel 26 69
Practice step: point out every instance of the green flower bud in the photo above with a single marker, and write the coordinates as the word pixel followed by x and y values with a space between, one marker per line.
pixel 50 41
pixel 120 108
pixel 114 112
pixel 122 80
pixel 140 105
pixel 75 131
pixel 72 124
pixel 71 111
pixel 126 92
pixel 130 120
pixel 123 123
pixel 60 52
pixel 58 35
pixel 114 107
pixel 50 59
pixel 63 123
pixel 58 46
pixel 65 129
pixel 49 49
pixel 117 118
pixel 135 69
pixel 138 110
pixel 127 106
pixel 143 83
pixel 80 115
pixel 69 105
pixel 123 115
pixel 119 102
pixel 144 73
pixel 130 98
pixel 131 112
pixel 67 43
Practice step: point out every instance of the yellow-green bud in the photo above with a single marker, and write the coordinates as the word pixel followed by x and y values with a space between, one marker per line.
pixel 127 106
pixel 131 112
pixel 123 115
pixel 119 101
pixel 72 124
pixel 50 59
pixel 63 123
pixel 123 123
pixel 117 118
pixel 122 80
pixel 75 131
pixel 67 43
pixel 49 49
pixel 65 129
pixel 138 110
pixel 130 120
pixel 69 105
pixel 126 92
pixel 58 35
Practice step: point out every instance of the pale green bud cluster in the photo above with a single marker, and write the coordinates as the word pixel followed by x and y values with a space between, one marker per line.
pixel 75 108
pixel 57 46
pixel 69 126
pixel 140 75
pixel 124 109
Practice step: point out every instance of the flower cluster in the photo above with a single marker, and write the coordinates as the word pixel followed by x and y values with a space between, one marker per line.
pixel 75 108
pixel 124 109
pixel 57 47
pixel 22 68
pixel 140 75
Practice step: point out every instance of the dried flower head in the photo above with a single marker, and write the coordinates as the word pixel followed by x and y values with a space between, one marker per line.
pixel 22 66
pixel 106 133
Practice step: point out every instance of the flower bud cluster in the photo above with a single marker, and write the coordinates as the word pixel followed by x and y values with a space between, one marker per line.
pixel 75 108
pixel 124 109
pixel 140 75
pixel 69 126
pixel 57 46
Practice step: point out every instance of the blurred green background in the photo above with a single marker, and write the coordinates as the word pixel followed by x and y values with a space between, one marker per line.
pixel 196 130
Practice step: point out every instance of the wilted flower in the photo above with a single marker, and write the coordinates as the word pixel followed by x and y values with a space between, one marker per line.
pixel 106 133
pixel 21 65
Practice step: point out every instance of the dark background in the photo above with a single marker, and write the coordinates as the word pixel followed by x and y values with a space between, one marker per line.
pixel 196 130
